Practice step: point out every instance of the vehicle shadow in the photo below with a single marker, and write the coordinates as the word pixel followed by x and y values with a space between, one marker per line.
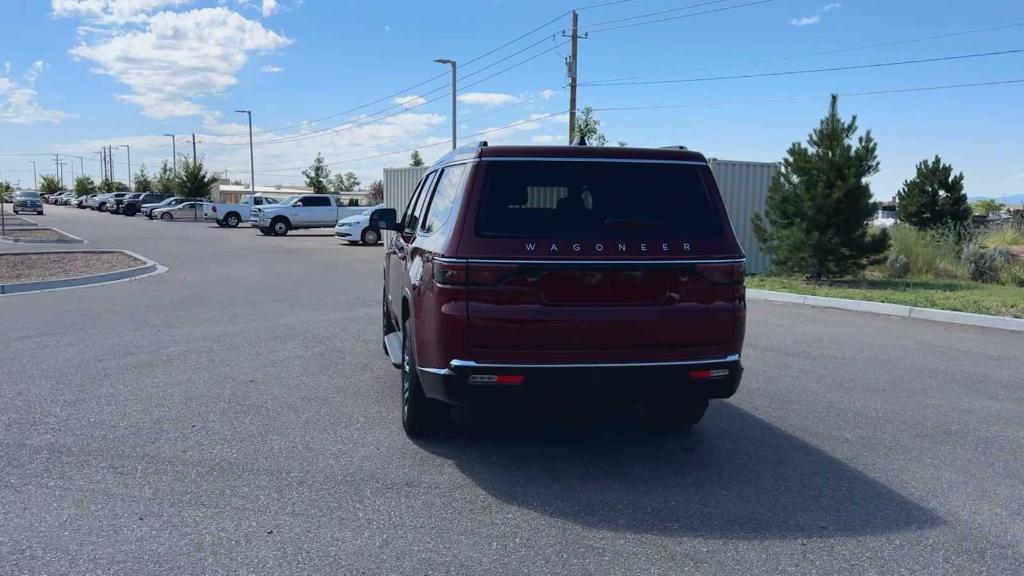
pixel 733 476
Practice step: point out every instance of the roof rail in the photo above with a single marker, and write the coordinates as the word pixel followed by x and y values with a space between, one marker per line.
pixel 675 147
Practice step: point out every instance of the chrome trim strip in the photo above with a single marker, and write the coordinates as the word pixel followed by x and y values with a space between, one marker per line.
pixel 615 160
pixel 437 371
pixel 471 364
pixel 585 262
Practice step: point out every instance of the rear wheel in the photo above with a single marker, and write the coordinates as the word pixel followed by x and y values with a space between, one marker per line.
pixel 421 416
pixel 167 216
pixel 265 231
pixel 370 236
pixel 232 220
pixel 130 210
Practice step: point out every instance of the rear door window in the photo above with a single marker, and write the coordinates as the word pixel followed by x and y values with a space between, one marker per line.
pixel 597 200
pixel 447 195
pixel 414 212
pixel 317 201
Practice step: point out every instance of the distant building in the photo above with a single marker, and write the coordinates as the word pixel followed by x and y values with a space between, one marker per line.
pixel 232 193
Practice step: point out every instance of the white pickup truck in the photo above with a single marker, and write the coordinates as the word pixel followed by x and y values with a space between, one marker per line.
pixel 298 212
pixel 230 215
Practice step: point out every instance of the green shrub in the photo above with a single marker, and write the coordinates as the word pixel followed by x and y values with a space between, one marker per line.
pixel 982 264
pixel 1006 235
pixel 897 266
pixel 928 253
pixel 1012 274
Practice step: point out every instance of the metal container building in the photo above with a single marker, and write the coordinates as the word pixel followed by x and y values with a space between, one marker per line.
pixel 744 189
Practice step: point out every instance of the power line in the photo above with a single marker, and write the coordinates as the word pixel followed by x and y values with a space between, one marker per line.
pixel 810 70
pixel 658 13
pixel 671 18
pixel 838 50
pixel 809 97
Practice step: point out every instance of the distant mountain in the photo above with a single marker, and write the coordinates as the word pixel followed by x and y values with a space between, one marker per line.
pixel 1013 200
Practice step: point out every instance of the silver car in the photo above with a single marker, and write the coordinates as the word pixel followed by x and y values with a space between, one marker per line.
pixel 183 211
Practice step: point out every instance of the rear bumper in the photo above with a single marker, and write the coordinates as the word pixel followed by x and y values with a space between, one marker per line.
pixel 618 381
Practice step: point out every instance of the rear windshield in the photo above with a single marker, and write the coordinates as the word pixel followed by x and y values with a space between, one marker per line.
pixel 594 199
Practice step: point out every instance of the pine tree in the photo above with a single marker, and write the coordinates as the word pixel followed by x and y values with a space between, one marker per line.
pixel 415 159
pixel 818 205
pixel 317 175
pixel 934 197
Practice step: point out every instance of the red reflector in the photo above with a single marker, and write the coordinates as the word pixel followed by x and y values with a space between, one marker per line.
pixel 496 379
pixel 510 379
pixel 706 374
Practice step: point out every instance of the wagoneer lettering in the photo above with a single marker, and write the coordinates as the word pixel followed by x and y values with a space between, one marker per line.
pixel 563 270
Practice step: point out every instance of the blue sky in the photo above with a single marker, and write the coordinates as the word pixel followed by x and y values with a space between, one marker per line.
pixel 81 74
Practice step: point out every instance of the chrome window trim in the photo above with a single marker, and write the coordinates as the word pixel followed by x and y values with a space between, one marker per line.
pixel 472 364
pixel 587 262
pixel 612 160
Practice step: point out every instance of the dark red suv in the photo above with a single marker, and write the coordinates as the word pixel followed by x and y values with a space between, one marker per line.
pixel 563 269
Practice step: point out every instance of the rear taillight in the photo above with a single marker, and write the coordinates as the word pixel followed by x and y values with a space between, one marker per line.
pixel 478 275
pixel 725 273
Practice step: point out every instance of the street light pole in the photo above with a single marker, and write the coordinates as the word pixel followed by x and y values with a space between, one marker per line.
pixel 35 182
pixel 129 149
pixel 174 154
pixel 454 100
pixel 252 162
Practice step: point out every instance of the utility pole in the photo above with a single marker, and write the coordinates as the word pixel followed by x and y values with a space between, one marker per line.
pixel 35 181
pixel 194 159
pixel 60 172
pixel 56 165
pixel 174 154
pixel 572 68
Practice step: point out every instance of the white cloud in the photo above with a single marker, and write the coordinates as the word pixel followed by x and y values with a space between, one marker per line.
pixel 409 101
pixel 806 20
pixel 269 8
pixel 547 94
pixel 112 11
pixel 18 99
pixel 488 99
pixel 271 69
pixel 176 57
pixel 831 6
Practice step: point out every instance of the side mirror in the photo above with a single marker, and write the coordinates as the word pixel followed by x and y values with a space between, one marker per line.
pixel 385 219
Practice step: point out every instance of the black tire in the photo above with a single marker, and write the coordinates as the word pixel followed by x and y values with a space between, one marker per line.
pixel 421 416
pixel 221 224
pixel 265 231
pixel 130 210
pixel 677 412
pixel 232 220
pixel 102 207
pixel 370 236
pixel 279 226
pixel 167 216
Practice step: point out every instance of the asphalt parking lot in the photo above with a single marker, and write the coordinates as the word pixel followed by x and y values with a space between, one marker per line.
pixel 235 415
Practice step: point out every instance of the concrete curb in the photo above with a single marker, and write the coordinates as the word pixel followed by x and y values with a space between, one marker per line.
pixel 898 310
pixel 148 268
pixel 71 238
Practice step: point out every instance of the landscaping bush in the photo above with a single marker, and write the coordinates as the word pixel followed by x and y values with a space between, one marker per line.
pixel 1006 235
pixel 928 253
pixel 897 266
pixel 1012 274
pixel 982 264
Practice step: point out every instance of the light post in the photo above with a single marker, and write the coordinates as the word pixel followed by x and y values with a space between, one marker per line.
pixel 252 162
pixel 129 149
pixel 454 67
pixel 35 182
pixel 174 154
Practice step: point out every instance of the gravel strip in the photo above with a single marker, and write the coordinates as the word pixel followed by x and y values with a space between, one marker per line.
pixel 59 265
pixel 38 234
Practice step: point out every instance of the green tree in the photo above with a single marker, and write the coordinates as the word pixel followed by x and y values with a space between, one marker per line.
pixel 166 181
pixel 50 184
pixel 376 193
pixel 934 197
pixel 142 181
pixel 6 191
pixel 818 205
pixel 588 127
pixel 109 186
pixel 346 182
pixel 193 180
pixel 415 159
pixel 84 185
pixel 987 207
pixel 318 175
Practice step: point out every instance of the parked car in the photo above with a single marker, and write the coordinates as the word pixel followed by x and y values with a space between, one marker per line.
pixel 185 211
pixel 356 229
pixel 114 205
pixel 82 202
pixel 296 212
pixel 133 204
pixel 147 209
pixel 67 199
pixel 604 272
pixel 98 200
pixel 27 201
pixel 230 215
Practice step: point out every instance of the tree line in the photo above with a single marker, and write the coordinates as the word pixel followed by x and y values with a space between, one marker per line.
pixel 190 180
pixel 320 181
